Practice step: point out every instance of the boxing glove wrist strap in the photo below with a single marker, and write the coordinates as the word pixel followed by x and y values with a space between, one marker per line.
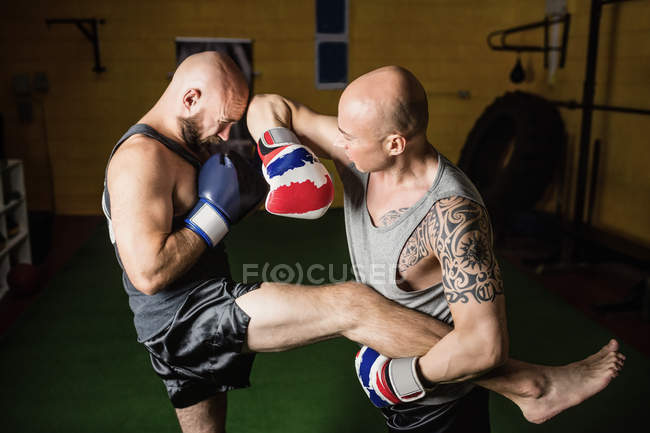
pixel 275 137
pixel 208 222
pixel 404 379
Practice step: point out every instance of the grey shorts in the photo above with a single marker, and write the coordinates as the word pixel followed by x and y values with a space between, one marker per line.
pixel 199 353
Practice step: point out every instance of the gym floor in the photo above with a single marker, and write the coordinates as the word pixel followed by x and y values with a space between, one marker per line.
pixel 69 360
pixel 587 286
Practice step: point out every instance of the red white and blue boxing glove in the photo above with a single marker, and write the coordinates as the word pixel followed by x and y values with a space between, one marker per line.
pixel 386 381
pixel 300 185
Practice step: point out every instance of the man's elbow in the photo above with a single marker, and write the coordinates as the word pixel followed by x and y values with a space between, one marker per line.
pixel 268 110
pixel 496 358
pixel 146 285
pixel 496 352
pixel 265 106
pixel 265 99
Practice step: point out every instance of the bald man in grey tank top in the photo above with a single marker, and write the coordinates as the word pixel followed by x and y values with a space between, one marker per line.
pixel 419 234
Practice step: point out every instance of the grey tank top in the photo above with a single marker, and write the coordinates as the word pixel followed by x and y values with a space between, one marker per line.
pixel 153 313
pixel 375 251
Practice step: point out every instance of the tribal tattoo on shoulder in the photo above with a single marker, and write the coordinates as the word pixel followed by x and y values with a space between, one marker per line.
pixel 462 239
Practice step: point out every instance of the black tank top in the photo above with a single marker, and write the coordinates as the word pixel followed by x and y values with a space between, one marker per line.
pixel 152 313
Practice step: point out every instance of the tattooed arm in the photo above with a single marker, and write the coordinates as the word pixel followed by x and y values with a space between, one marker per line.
pixel 462 240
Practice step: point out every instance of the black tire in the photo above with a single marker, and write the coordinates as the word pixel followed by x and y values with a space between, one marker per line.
pixel 513 152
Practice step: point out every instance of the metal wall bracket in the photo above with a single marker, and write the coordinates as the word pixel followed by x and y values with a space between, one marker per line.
pixel 565 19
pixel 88 27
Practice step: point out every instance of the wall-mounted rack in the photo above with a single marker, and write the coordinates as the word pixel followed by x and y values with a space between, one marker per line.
pixel 89 28
pixel 546 23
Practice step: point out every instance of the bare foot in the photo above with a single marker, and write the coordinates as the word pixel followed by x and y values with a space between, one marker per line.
pixel 559 388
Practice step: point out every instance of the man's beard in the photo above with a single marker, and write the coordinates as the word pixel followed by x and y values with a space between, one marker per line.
pixel 207 147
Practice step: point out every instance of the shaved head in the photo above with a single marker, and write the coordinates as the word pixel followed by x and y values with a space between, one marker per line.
pixel 207 94
pixel 209 71
pixel 391 99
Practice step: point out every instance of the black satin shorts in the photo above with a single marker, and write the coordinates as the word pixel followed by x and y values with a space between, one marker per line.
pixel 467 414
pixel 199 353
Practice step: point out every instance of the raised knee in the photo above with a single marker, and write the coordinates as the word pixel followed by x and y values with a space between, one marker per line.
pixel 355 300
pixel 354 294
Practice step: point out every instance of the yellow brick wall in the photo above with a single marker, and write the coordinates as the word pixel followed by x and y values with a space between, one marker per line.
pixel 84 113
pixel 442 42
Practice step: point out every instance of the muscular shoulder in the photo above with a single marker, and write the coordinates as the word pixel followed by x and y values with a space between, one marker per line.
pixel 144 153
pixel 459 212
pixel 453 214
pixel 140 160
pixel 142 150
pixel 463 243
pixel 459 228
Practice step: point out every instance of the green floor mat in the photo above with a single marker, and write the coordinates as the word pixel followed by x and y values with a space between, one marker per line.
pixel 71 362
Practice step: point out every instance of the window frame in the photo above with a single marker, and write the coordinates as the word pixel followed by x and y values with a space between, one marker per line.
pixel 331 37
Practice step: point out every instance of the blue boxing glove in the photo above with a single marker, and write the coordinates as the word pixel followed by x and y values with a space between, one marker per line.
pixel 228 188
pixel 388 381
